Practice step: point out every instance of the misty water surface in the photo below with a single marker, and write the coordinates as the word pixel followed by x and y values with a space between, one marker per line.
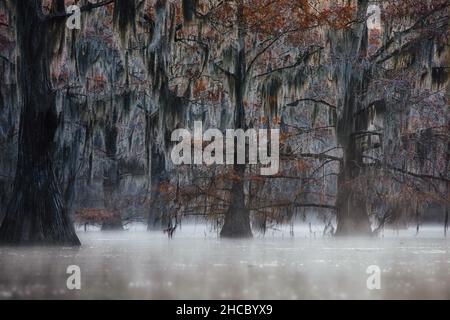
pixel 195 264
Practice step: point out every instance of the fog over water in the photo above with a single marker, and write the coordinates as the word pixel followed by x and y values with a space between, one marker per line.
pixel 195 264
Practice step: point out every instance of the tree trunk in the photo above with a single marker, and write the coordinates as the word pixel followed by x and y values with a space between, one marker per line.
pixel 352 82
pixel 237 217
pixel 157 218
pixel 111 180
pixel 352 217
pixel 35 213
pixel 351 201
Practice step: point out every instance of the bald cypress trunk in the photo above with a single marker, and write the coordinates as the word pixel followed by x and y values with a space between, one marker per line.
pixel 35 213
pixel 157 218
pixel 111 174
pixel 352 82
pixel 351 202
pixel 237 217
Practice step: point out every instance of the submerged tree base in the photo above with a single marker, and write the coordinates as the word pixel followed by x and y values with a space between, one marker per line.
pixel 354 225
pixel 113 226
pixel 237 225
pixel 353 230
pixel 35 214
pixel 12 235
pixel 40 242
pixel 235 234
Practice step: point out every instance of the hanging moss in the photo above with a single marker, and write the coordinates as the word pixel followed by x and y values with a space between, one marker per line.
pixel 172 113
pixel 189 9
pixel 56 33
pixel 131 167
pixel 332 117
pixel 270 92
pixel 127 101
pixel 439 75
pixel 124 17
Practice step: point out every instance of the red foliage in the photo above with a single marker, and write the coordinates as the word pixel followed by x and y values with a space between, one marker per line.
pixel 97 83
pixel 92 216
pixel 412 8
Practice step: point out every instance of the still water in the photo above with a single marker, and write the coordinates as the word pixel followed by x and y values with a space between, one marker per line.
pixel 195 264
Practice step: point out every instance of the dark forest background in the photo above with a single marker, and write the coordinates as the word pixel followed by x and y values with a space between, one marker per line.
pixel 359 90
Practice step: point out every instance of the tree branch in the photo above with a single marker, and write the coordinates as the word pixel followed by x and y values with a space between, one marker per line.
pixel 296 102
pixel 87 7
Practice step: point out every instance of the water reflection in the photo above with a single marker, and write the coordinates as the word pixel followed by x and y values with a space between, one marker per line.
pixel 137 264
